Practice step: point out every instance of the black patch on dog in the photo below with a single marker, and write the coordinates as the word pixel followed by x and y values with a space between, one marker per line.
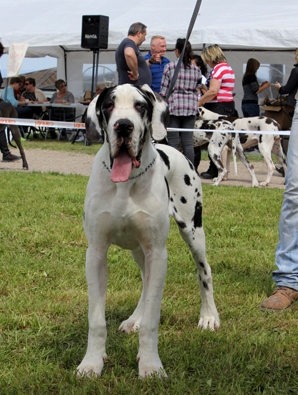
pixel 203 267
pixel 165 158
pixel 205 285
pixel 168 189
pixel 243 138
pixel 197 218
pixel 187 180
pixel 181 224
pixel 183 200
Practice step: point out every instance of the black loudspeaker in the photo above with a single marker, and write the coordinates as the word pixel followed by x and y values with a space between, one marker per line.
pixel 95 31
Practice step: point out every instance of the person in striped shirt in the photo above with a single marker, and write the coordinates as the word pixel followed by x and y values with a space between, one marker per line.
pixel 219 95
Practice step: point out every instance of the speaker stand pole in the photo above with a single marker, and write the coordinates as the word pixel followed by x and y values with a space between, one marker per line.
pixel 94 72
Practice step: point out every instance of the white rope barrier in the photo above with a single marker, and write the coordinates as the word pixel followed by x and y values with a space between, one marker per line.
pixel 280 132
pixel 41 123
pixel 79 125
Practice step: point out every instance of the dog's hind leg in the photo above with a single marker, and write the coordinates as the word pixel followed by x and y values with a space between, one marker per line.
pixel 97 277
pixel 17 138
pixel 265 151
pixel 278 151
pixel 248 165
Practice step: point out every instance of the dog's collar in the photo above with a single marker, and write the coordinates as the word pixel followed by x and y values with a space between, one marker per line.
pixel 138 175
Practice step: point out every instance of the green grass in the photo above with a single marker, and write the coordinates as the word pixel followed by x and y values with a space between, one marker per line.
pixel 43 310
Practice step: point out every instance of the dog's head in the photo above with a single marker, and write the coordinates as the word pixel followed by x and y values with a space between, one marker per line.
pixel 129 116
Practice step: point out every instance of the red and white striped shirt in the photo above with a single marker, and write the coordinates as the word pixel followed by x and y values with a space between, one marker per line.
pixel 224 73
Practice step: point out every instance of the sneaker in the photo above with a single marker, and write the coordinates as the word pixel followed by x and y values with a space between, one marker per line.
pixel 80 139
pixel 208 176
pixel 10 158
pixel 281 299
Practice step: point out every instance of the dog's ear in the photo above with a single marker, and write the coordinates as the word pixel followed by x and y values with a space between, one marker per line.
pixel 160 115
pixel 101 98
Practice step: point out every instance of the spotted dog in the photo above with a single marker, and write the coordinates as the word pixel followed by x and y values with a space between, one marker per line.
pixel 133 187
pixel 267 143
pixel 217 142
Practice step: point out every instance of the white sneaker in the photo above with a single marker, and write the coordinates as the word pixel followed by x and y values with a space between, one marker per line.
pixel 80 139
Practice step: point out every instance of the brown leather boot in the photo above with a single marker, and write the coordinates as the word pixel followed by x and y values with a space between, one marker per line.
pixel 281 299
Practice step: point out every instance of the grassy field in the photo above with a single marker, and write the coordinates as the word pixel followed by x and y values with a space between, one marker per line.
pixel 43 310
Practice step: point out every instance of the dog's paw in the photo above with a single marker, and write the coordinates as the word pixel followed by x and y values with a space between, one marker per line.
pixel 209 322
pixel 151 367
pixel 91 367
pixel 130 326
pixel 264 184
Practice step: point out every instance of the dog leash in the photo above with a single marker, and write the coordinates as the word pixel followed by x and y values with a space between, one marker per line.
pixel 190 27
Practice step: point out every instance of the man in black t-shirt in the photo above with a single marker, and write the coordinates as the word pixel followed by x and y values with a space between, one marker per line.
pixel 131 65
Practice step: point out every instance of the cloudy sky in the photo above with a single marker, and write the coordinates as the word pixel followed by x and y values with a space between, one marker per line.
pixel 29 64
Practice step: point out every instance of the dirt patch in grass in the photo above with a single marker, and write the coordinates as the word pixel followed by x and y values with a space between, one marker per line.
pixel 77 163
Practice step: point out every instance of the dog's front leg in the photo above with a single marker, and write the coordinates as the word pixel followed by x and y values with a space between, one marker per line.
pixel 155 272
pixel 97 277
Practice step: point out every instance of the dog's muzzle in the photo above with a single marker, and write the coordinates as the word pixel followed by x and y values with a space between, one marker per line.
pixel 124 157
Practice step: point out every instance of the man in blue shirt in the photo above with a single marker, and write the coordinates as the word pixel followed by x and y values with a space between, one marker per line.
pixel 156 60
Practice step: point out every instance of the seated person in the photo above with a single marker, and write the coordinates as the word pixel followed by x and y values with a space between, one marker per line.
pixel 18 92
pixel 8 97
pixel 62 96
pixel 65 97
pixel 20 105
pixel 34 94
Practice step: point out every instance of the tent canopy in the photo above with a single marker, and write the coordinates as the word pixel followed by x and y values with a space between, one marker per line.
pixel 230 24
pixel 267 30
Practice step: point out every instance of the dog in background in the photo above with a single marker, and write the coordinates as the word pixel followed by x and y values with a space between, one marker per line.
pixel 133 187
pixel 217 143
pixel 267 143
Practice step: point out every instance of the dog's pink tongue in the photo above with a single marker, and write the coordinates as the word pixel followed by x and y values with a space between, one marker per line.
pixel 121 169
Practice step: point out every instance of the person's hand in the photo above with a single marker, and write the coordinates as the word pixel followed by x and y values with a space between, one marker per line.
pixel 22 99
pixel 132 76
pixel 277 85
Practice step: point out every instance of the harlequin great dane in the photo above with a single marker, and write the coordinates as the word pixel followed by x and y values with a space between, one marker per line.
pixel 133 188
pixel 217 142
pixel 267 143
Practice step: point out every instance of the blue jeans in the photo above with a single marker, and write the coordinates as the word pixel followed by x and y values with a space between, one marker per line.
pixel 286 257
pixel 250 110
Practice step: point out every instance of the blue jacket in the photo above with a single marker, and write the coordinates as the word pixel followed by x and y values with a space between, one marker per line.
pixel 156 71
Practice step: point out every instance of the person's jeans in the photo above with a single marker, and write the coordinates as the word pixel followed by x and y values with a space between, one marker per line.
pixel 182 122
pixel 286 257
pixel 250 110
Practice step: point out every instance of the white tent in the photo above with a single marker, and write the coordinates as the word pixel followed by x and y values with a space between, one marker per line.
pixel 267 29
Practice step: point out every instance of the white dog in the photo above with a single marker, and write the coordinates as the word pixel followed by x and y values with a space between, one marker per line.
pixel 133 188
pixel 267 143
pixel 217 142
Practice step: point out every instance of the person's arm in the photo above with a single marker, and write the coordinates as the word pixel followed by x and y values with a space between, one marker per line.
pixel 8 96
pixel 290 85
pixel 70 97
pixel 211 92
pixel 263 86
pixel 165 82
pixel 132 63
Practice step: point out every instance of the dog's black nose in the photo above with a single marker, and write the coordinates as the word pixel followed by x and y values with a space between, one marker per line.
pixel 123 126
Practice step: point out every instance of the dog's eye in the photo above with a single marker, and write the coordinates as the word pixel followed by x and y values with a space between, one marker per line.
pixel 139 106
pixel 109 106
